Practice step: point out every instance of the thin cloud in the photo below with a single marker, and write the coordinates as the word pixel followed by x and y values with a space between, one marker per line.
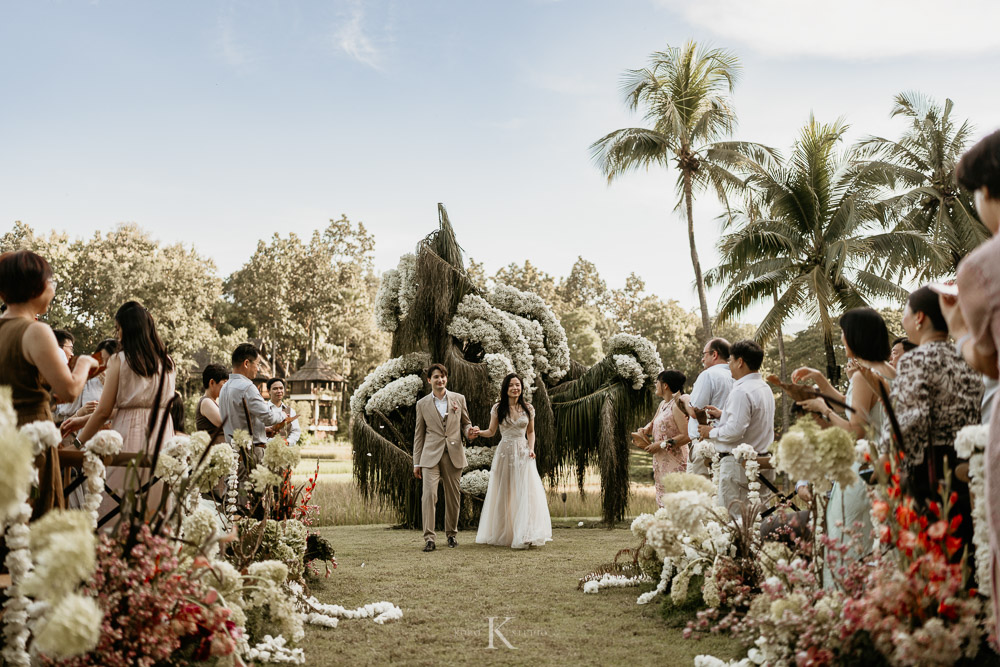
pixel 228 46
pixel 849 29
pixel 352 39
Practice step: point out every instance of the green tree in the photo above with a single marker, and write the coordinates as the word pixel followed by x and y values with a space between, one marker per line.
pixel 96 276
pixel 529 278
pixel 582 336
pixel 583 287
pixel 934 222
pixel 805 246
pixel 684 94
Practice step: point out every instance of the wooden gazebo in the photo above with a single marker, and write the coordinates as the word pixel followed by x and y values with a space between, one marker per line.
pixel 320 385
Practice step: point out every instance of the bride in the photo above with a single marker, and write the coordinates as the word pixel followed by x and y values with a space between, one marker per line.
pixel 516 511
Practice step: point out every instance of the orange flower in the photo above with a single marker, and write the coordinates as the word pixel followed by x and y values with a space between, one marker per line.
pixel 881 510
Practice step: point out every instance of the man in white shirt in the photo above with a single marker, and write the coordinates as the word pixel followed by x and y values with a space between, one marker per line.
pixel 711 388
pixel 291 431
pixel 747 418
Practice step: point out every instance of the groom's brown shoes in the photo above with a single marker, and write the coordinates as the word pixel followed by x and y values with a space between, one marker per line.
pixel 452 542
pixel 430 546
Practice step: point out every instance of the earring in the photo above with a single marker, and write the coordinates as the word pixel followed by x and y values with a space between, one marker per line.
pixel 919 326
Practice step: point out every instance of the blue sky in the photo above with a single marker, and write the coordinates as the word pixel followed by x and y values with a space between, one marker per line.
pixel 220 123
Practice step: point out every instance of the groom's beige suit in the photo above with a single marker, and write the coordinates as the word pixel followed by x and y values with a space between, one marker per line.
pixel 439 453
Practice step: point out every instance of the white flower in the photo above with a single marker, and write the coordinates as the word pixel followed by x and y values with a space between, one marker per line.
pixel 62 545
pixel 43 434
pixel 808 452
pixel 261 478
pixel 479 457
pixel 270 570
pixel 641 348
pixel 475 482
pixel 591 587
pixel 17 470
pixel 629 370
pixel 497 332
pixel 216 464
pixel 969 439
pixel 280 456
pixel 198 528
pixel 72 627
pixel 106 442
pixel 498 366
pixel 401 392
pixel 413 363
pixel 533 307
pixel 396 293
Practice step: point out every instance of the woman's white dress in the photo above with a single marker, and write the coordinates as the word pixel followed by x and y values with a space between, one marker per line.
pixel 516 510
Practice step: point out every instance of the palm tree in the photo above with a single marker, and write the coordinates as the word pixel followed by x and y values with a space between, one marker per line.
pixel 684 94
pixel 804 242
pixel 934 222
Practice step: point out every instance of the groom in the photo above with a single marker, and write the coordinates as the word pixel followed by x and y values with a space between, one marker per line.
pixel 438 453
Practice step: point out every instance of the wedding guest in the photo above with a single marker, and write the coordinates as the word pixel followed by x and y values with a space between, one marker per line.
pixel 712 387
pixel 207 416
pixel 177 417
pixel 240 403
pixel 31 360
pixel 91 394
pixel 290 431
pixel 747 418
pixel 900 346
pixel 138 389
pixel 668 430
pixel 935 394
pixel 975 316
pixel 66 342
pixel 866 341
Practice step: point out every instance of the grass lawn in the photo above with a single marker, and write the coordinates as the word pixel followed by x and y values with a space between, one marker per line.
pixel 448 595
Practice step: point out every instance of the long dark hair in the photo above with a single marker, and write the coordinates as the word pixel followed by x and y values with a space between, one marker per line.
pixel 866 334
pixel 503 405
pixel 144 351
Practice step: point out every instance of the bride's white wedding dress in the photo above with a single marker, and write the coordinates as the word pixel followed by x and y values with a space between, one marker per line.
pixel 516 510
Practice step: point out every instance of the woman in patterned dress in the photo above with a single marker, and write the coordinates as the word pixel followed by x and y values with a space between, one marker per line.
pixel 668 430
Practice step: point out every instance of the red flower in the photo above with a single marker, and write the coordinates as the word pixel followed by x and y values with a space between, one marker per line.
pixel 938 530
pixel 935 508
pixel 906 541
pixel 952 544
pixel 881 510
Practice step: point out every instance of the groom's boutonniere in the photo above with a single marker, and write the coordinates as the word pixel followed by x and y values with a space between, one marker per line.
pixel 454 406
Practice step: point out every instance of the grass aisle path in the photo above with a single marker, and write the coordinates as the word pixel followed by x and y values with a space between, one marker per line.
pixel 447 596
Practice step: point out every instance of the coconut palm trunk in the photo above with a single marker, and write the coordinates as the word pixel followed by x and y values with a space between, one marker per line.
pixel 786 412
pixel 706 320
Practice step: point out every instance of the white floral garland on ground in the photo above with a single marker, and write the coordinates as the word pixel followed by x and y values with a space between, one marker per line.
pixel 666 575
pixel 609 580
pixel 400 392
pixel 328 615
pixel 475 482
pixel 396 293
pixel 385 373
pixel 642 349
pixel 105 443
pixel 970 444
pixel 275 649
pixel 497 332
pixel 533 307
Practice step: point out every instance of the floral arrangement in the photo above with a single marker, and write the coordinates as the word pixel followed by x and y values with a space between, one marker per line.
pixel 822 455
pixel 642 349
pixel 630 370
pixel 475 482
pixel 498 366
pixel 397 367
pixel 497 332
pixel 479 457
pixel 396 293
pixel 398 393
pixel 608 580
pixel 970 444
pixel 104 443
pixel 533 307
pixel 747 456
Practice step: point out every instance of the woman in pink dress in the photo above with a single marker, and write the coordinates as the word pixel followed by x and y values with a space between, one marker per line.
pixel 974 316
pixel 129 396
pixel 668 430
